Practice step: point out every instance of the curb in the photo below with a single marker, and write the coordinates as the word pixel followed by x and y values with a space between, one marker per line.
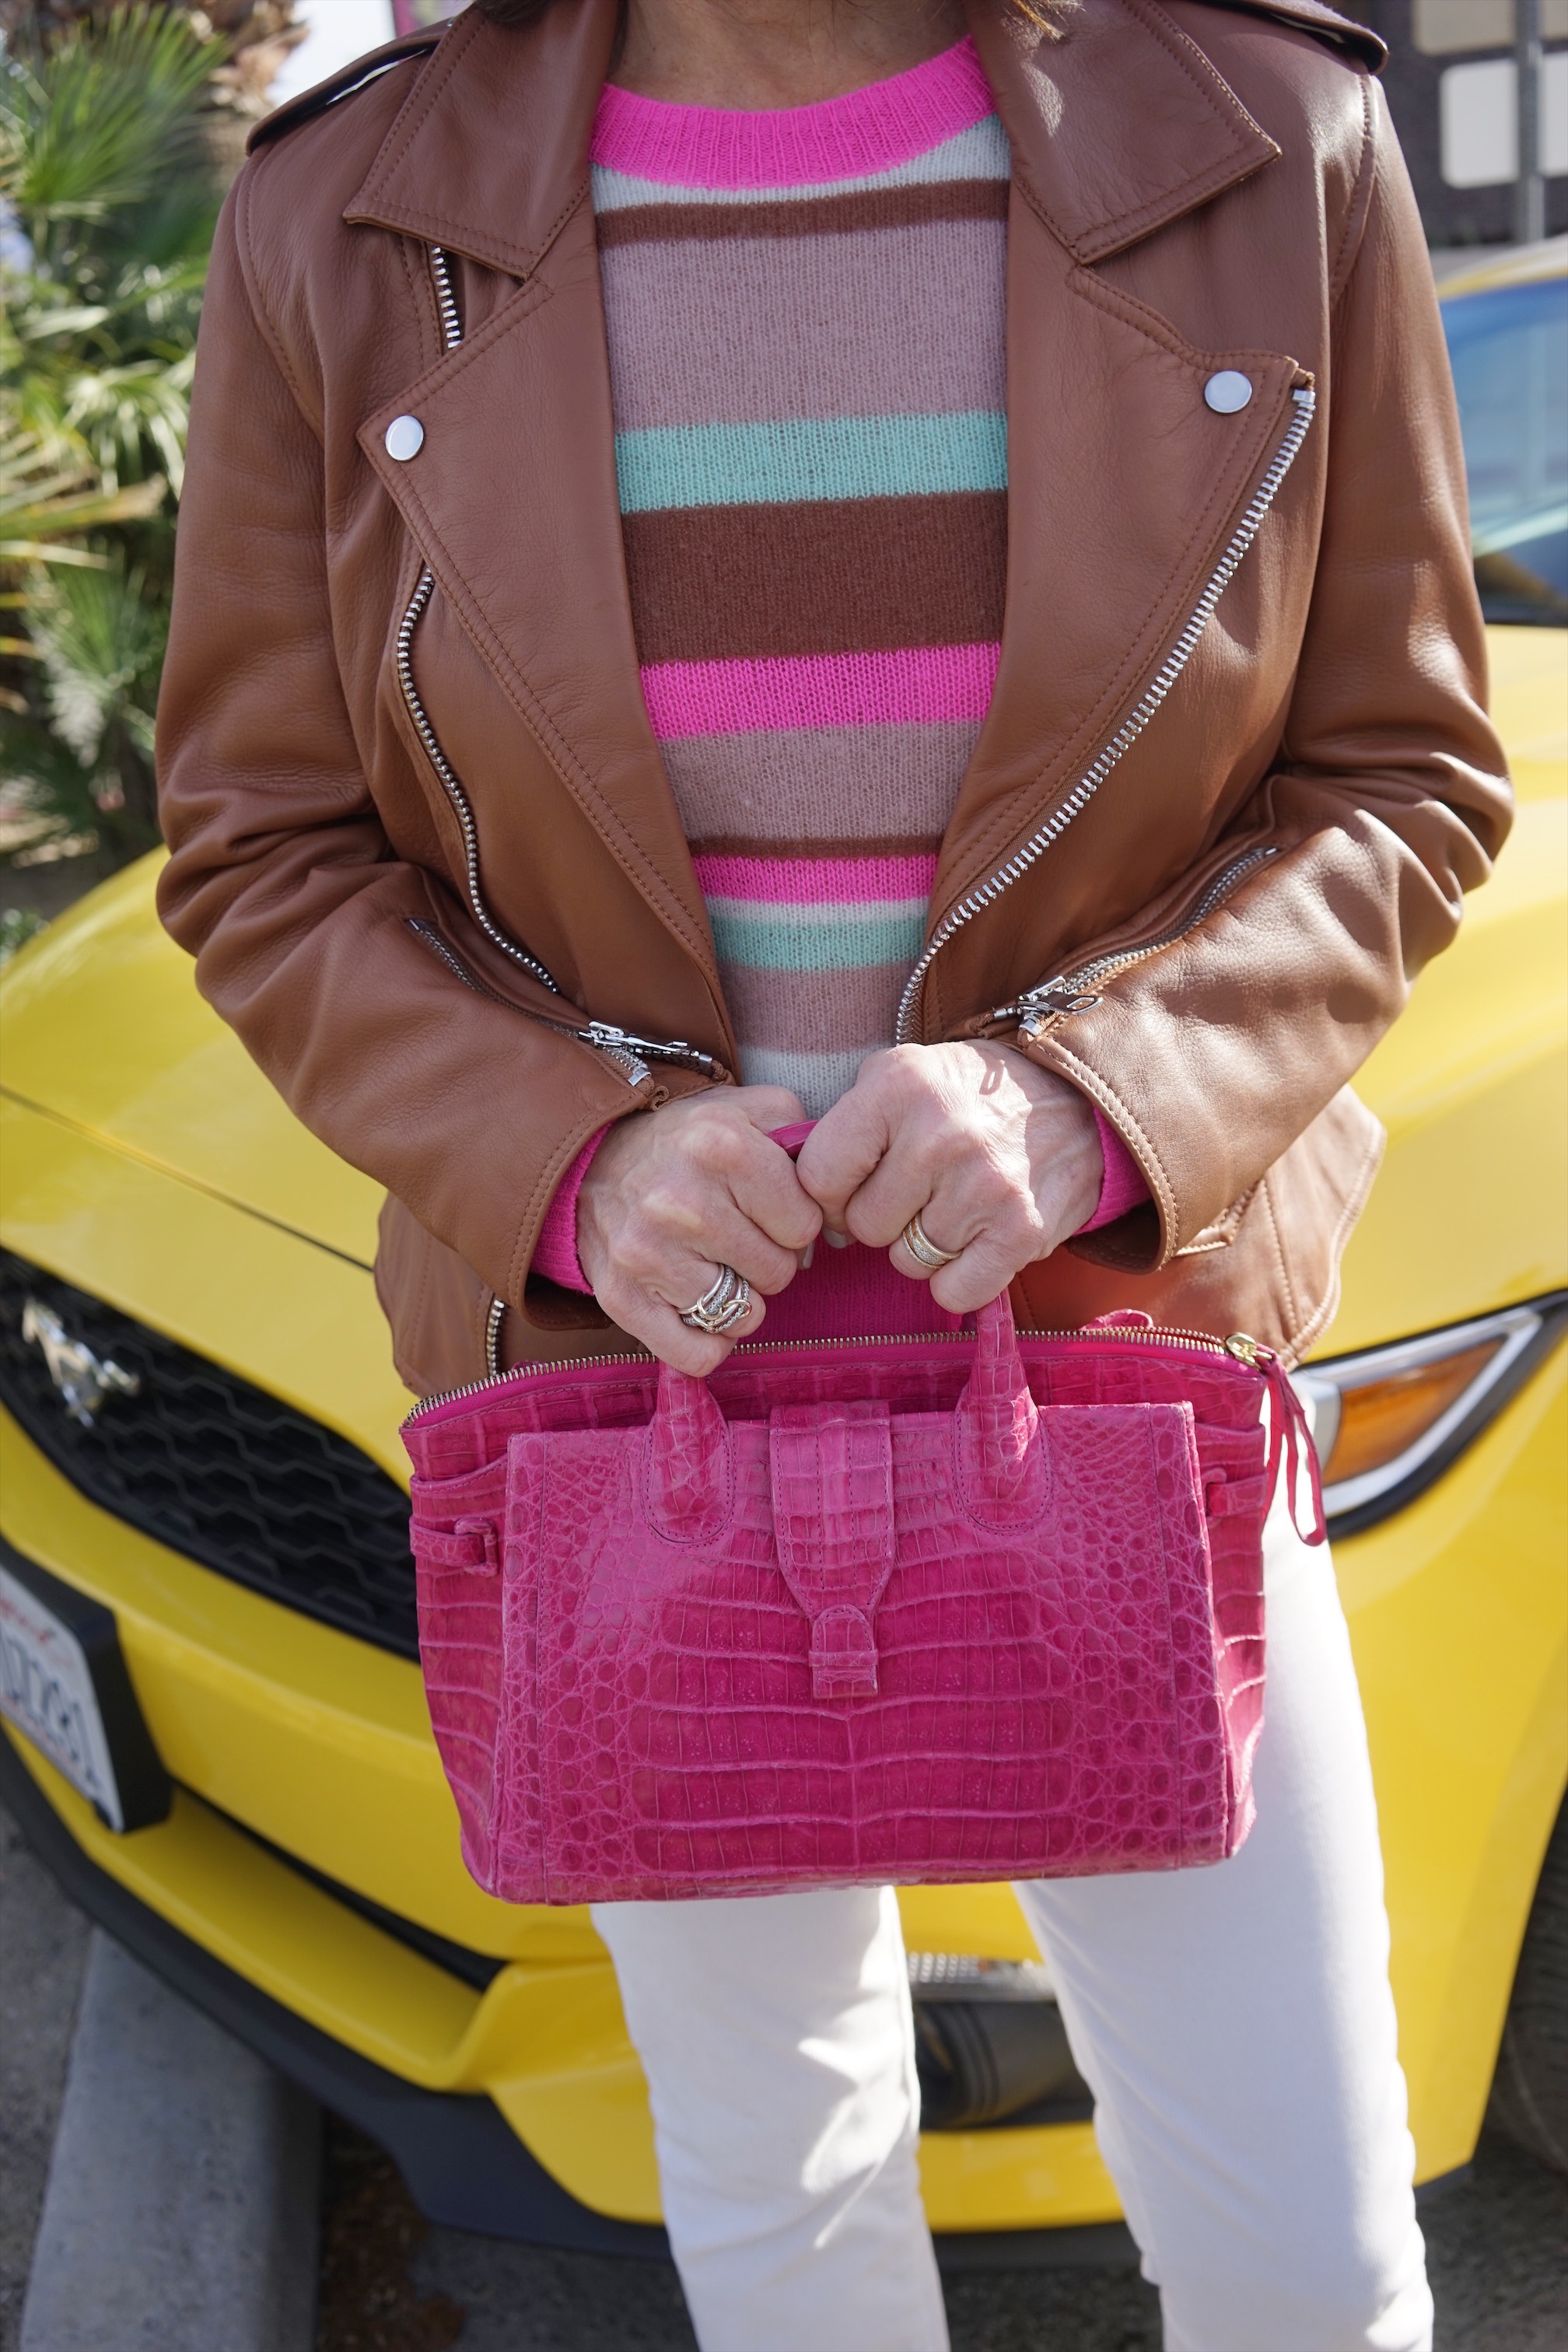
pixel 181 2210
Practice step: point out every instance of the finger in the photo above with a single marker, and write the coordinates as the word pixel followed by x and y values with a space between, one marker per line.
pixel 972 1202
pixel 769 1107
pixel 761 1182
pixel 659 1327
pixel 840 1153
pixel 673 1250
pixel 976 1277
pixel 958 1188
pixel 903 1256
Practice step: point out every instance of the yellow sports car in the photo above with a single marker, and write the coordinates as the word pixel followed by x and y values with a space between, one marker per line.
pixel 217 1732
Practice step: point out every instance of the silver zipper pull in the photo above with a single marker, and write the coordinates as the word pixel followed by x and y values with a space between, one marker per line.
pixel 1053 998
pixel 625 1046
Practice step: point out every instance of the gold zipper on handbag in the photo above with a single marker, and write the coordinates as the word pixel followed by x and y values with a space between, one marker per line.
pixel 1240 1346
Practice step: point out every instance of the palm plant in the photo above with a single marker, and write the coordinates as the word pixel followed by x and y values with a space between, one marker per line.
pixel 108 198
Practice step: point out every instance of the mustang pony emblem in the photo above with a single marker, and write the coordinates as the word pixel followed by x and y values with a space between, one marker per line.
pixel 82 1378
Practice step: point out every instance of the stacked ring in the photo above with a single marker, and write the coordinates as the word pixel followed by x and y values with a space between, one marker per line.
pixel 726 1302
pixel 923 1250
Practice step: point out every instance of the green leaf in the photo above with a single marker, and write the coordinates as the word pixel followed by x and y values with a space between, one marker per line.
pixel 101 641
pixel 96 123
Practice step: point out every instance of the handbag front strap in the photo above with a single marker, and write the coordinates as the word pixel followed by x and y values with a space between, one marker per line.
pixel 832 1476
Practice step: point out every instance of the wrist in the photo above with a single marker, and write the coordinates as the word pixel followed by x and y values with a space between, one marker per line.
pixel 1123 1186
pixel 557 1253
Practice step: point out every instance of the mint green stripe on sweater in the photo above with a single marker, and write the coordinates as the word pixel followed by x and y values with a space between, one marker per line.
pixel 801 938
pixel 811 457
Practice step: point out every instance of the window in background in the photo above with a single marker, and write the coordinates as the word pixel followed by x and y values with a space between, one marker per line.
pixel 1441 27
pixel 1479 121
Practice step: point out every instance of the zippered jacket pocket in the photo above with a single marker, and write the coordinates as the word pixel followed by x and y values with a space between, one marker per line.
pixel 1079 988
pixel 632 1055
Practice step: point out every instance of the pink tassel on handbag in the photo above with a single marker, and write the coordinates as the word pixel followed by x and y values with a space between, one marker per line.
pixel 948 1607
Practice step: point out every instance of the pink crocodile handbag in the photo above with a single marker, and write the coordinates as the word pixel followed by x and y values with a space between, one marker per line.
pixel 952 1607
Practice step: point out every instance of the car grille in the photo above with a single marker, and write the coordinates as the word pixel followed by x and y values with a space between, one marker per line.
pixel 215 1468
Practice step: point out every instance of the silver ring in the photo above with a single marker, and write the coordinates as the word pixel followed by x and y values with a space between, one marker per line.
pixel 923 1250
pixel 726 1302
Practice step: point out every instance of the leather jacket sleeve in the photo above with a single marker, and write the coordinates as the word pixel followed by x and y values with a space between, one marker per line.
pixel 1387 801
pixel 281 879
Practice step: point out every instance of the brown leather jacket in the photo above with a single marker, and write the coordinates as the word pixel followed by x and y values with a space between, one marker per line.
pixel 406 764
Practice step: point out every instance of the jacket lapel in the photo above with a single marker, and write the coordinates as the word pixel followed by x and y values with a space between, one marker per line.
pixel 1123 485
pixel 511 499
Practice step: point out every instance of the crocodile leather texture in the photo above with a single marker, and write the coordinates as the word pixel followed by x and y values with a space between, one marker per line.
pixel 944 1608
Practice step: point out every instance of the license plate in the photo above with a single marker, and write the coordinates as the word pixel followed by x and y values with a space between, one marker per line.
pixel 64 1685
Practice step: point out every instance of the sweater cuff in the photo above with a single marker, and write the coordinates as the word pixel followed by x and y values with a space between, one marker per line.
pixel 1121 1187
pixel 555 1252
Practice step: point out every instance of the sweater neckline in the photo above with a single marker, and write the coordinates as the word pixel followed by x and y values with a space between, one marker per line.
pixel 872 130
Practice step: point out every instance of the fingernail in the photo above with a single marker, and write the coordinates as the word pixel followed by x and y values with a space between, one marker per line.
pixel 834 1238
pixel 807 1253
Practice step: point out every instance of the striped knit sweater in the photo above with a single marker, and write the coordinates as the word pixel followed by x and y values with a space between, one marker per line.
pixel 805 315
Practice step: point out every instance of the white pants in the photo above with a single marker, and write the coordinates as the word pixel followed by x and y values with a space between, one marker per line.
pixel 1235 2024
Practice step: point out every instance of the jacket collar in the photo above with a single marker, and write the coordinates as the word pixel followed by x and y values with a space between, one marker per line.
pixel 1118 124
pixel 489 154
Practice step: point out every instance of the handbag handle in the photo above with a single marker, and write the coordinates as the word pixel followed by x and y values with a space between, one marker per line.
pixel 1001 1461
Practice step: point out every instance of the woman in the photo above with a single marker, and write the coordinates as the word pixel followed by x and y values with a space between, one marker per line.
pixel 746 562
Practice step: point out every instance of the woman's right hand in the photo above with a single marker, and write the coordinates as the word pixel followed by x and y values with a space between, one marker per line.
pixel 672 1195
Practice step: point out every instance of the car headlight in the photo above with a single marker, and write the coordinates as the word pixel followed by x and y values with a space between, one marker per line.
pixel 1389 1421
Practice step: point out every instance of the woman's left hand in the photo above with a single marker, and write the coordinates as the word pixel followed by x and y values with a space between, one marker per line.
pixel 999 1158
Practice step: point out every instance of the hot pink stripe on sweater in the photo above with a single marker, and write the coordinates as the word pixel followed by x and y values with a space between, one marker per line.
pixel 930 685
pixel 840 139
pixel 816 881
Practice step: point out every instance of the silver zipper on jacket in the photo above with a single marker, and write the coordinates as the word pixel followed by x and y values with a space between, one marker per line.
pixel 446 300
pixel 621 1047
pixel 424 587
pixel 453 789
pixel 494 1317
pixel 1070 991
pixel 1165 679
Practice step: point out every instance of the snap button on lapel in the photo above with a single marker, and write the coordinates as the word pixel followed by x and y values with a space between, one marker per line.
pixel 1225 392
pixel 405 435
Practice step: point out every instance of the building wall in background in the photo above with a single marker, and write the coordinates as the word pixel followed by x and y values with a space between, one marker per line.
pixel 1451 91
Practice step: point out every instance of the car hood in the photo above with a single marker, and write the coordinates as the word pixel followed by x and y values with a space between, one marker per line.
pixel 101 1025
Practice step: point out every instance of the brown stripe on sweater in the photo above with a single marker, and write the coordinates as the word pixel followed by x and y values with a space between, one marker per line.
pixel 859 845
pixel 817 576
pixel 844 215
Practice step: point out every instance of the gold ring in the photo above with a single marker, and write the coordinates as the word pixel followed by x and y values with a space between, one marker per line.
pixel 923 1250
pixel 726 1302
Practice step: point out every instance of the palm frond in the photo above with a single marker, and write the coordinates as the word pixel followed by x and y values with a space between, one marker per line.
pixel 101 641
pixel 96 123
pixel 43 502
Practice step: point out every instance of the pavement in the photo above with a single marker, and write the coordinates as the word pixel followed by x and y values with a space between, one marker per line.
pixel 160 2129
